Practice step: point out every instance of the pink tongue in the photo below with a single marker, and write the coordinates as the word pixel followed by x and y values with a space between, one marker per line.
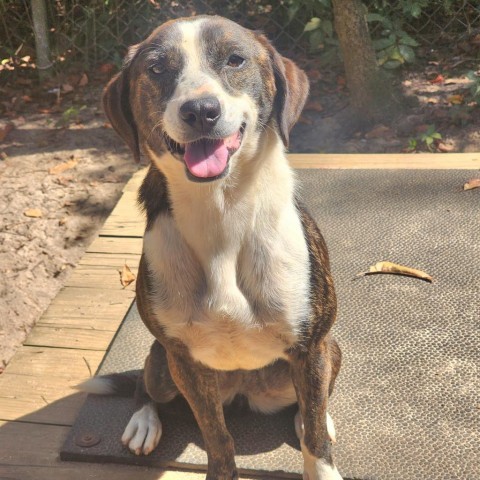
pixel 206 158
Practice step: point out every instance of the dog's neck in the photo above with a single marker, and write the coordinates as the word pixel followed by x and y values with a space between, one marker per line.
pixel 214 219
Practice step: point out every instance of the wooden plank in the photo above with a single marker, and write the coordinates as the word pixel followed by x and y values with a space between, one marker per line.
pixel 97 309
pixel 71 364
pixel 39 399
pixel 77 338
pixel 448 161
pixel 116 245
pixel 98 278
pixel 126 219
pixel 112 260
pixel 30 452
pixel 97 297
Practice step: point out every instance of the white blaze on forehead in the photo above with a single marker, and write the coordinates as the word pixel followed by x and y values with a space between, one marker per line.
pixel 190 44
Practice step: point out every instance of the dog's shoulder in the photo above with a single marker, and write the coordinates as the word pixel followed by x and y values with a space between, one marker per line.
pixel 153 195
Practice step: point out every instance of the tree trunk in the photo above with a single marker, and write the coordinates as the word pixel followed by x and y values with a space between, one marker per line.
pixel 40 27
pixel 370 95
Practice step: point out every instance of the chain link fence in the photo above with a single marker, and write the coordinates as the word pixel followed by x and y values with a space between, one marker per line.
pixel 95 31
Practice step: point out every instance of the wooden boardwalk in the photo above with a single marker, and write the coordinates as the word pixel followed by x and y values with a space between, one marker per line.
pixel 37 402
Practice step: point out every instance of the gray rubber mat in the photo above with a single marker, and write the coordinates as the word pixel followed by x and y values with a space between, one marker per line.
pixel 406 404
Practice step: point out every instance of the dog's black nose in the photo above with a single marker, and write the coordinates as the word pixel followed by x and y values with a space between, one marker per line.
pixel 201 113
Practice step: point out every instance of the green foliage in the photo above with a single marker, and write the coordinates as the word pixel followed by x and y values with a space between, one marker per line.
pixel 394 47
pixel 320 33
pixel 70 115
pixel 426 138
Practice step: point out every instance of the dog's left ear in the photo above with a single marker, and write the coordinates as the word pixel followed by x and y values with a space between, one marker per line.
pixel 292 87
pixel 116 103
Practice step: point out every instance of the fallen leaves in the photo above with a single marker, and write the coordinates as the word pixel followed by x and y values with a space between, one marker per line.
pixel 438 79
pixel 315 106
pixel 455 99
pixel 57 169
pixel 393 268
pixel 472 183
pixel 126 276
pixel 445 147
pixel 379 131
pixel 33 213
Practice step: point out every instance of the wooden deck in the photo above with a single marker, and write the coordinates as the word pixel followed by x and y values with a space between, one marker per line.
pixel 37 402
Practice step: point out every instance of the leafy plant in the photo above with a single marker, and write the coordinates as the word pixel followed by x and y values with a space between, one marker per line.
pixel 427 137
pixel 70 115
pixel 320 33
pixel 395 47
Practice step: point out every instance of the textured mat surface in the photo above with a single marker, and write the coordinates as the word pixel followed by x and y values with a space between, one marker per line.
pixel 406 405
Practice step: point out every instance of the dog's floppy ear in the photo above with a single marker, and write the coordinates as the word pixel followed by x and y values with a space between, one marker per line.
pixel 292 87
pixel 116 103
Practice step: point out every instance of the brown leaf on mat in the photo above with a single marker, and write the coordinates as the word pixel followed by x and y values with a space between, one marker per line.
pixel 389 267
pixel 33 212
pixel 126 276
pixel 62 167
pixel 472 183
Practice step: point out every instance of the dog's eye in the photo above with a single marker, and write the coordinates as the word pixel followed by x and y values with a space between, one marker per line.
pixel 157 69
pixel 235 61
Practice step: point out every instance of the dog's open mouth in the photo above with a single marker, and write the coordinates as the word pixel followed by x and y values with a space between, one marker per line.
pixel 207 158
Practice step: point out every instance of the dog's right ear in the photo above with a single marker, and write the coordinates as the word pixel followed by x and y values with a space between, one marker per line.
pixel 116 103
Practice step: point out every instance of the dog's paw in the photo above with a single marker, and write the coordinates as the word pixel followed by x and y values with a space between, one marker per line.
pixel 143 431
pixel 317 468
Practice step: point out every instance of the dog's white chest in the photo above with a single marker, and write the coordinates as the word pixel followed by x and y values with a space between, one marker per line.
pixel 240 308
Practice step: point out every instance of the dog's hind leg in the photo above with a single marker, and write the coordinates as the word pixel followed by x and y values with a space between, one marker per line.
pixel 313 372
pixel 199 385
pixel 154 387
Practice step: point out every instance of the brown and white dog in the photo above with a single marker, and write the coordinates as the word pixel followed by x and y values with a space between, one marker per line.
pixel 234 279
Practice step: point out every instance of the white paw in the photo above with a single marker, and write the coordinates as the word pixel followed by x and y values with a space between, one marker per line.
pixel 143 431
pixel 330 427
pixel 317 468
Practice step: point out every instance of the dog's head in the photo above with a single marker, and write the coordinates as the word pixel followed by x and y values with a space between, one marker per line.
pixel 208 89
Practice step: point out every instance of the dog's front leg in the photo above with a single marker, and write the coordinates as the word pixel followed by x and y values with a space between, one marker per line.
pixel 313 373
pixel 199 385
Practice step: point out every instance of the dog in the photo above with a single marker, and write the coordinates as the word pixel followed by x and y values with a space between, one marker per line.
pixel 234 280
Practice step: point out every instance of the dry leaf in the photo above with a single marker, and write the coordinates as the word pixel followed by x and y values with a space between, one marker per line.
pixel 126 276
pixel 389 267
pixel 305 120
pixel 438 79
pixel 33 212
pixel 445 147
pixel 67 88
pixel 455 99
pixel 83 80
pixel 62 167
pixel 472 183
pixel 314 75
pixel 315 106
pixel 107 68
pixel 380 131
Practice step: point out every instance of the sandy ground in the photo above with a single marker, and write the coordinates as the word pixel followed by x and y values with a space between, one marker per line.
pixel 66 209
pixel 62 170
